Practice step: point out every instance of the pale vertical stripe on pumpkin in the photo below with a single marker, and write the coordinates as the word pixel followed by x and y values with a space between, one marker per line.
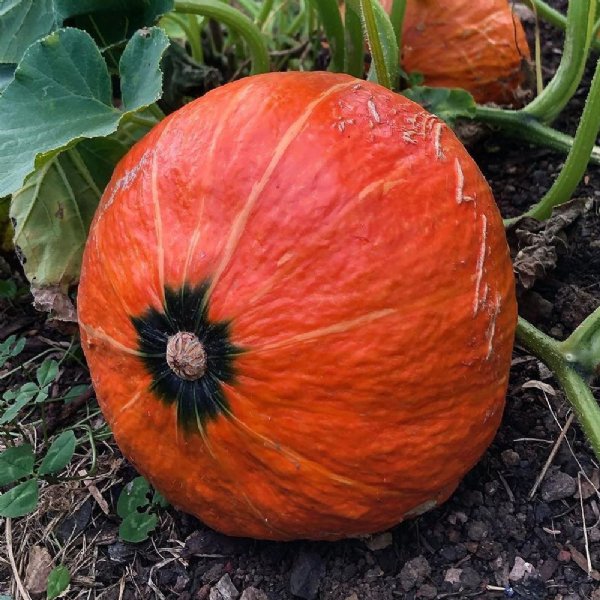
pixel 287 138
pixel 158 224
pixel 209 159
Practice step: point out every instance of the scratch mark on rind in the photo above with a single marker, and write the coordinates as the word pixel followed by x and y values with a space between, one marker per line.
pixel 437 141
pixel 373 111
pixel 492 326
pixel 480 261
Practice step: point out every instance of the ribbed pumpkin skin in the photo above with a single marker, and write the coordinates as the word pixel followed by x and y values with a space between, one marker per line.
pixel 478 45
pixel 358 256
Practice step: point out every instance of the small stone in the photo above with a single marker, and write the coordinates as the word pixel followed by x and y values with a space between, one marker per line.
pixel 477 530
pixel 557 486
pixel 452 576
pixel 226 589
pixel 352 596
pixel 39 565
pixel 564 556
pixel 414 572
pixel 305 578
pixel 120 552
pixel 521 569
pixel 510 458
pixel 548 568
pixel 253 593
pixel 427 591
pixel 213 574
pixel 470 578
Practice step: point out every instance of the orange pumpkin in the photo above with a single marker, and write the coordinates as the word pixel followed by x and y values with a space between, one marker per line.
pixel 297 306
pixel 476 45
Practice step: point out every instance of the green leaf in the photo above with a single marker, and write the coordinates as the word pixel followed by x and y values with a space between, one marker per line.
pixel 23 22
pixel 62 92
pixel 23 396
pixel 20 500
pixel 16 462
pixel 46 372
pixel 8 289
pixel 75 392
pixel 141 77
pixel 159 500
pixel 58 581
pixel 112 22
pixel 448 104
pixel 59 454
pixel 54 209
pixel 136 526
pixel 329 13
pixel 133 496
pixel 355 43
pixel 382 43
pixel 10 348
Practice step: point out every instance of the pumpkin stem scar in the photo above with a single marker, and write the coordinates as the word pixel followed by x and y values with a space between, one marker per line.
pixel 186 355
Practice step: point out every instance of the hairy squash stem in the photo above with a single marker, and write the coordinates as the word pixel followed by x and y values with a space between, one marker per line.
pixel 195 39
pixel 237 21
pixel 368 16
pixel 580 25
pixel 557 19
pixel 355 43
pixel 577 159
pixel 521 126
pixel 573 384
pixel 583 345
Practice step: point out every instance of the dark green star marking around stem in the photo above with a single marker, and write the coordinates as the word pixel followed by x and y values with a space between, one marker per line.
pixel 186 310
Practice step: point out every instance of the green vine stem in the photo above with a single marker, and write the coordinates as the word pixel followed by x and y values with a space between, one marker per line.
pixel 573 384
pixel 237 21
pixel 355 44
pixel 557 19
pixel 522 126
pixel 265 11
pixel 370 24
pixel 578 35
pixel 195 39
pixel 583 345
pixel 578 157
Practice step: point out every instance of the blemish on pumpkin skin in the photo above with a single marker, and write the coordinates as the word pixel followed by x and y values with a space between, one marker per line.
pixel 479 265
pixel 126 180
pixel 437 141
pixel 492 325
pixel 373 110
pixel 460 184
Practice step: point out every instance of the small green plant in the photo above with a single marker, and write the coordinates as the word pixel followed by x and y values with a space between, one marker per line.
pixel 30 392
pixel 10 348
pixel 18 463
pixel 136 506
pixel 58 582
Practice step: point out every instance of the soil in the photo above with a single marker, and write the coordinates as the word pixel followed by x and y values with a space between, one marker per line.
pixel 500 535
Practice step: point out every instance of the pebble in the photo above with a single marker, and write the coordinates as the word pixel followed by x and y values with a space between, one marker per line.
pixel 510 457
pixel 224 590
pixel 306 574
pixel 427 591
pixel 452 575
pixel 477 530
pixel 557 486
pixel 414 572
pixel 253 593
pixel 521 570
pixel 470 578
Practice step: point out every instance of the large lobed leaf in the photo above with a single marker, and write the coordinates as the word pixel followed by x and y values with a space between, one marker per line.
pixel 61 92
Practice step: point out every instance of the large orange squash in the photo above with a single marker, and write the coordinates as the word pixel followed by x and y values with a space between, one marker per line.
pixel 297 306
pixel 478 45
